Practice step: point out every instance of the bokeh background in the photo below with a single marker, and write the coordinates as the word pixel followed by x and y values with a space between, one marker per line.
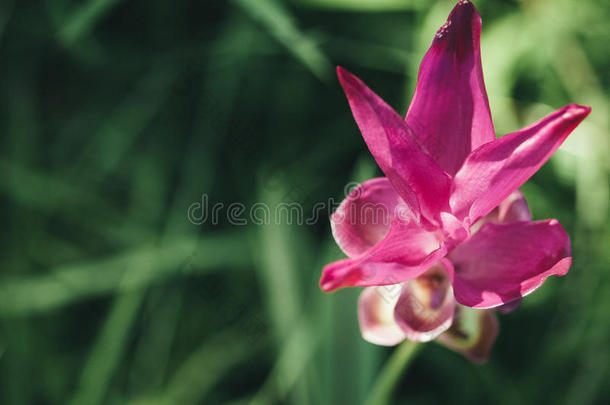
pixel 117 116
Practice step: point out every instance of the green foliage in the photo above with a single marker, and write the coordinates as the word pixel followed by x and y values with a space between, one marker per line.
pixel 117 116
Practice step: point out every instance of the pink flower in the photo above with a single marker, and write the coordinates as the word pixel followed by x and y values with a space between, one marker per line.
pixel 424 308
pixel 447 224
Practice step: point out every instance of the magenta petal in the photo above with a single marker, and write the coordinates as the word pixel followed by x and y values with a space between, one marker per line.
pixel 426 305
pixel 405 253
pixel 504 262
pixel 449 113
pixel 513 209
pixel 421 183
pixel 493 171
pixel 364 217
pixel 376 315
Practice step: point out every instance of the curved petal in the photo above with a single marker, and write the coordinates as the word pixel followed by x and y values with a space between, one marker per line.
pixel 473 333
pixel 504 262
pixel 509 306
pixel 449 113
pixel 365 216
pixel 405 253
pixel 454 230
pixel 421 183
pixel 513 209
pixel 376 315
pixel 426 305
pixel 493 171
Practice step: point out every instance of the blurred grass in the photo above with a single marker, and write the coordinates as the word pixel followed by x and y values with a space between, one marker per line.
pixel 363 5
pixel 281 26
pixel 117 116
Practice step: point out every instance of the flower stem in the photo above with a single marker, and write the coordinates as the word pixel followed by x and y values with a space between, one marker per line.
pixel 386 381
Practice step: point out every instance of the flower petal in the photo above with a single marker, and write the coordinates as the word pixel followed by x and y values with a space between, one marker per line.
pixel 405 253
pixel 509 306
pixel 421 183
pixel 449 113
pixel 376 315
pixel 365 216
pixel 493 171
pixel 513 209
pixel 504 262
pixel 473 333
pixel 426 305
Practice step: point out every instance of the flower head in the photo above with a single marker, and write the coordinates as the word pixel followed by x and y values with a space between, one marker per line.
pixel 447 226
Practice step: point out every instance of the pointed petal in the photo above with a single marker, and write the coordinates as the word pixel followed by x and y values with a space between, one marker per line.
pixel 426 305
pixel 405 253
pixel 365 216
pixel 376 315
pixel 493 171
pixel 504 262
pixel 473 333
pixel 421 183
pixel 449 113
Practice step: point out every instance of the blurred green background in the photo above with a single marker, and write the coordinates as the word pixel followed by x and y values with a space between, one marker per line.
pixel 117 116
